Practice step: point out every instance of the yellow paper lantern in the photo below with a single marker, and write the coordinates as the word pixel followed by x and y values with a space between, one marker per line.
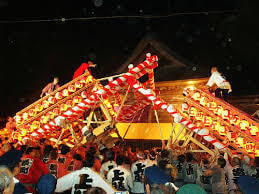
pixel 222 130
pixel 45 104
pixel 70 103
pixel 207 120
pixel 19 119
pixel 192 111
pixel 243 125
pixel 240 142
pixel 32 112
pixel 215 126
pixel 234 120
pixel 38 107
pixel 257 153
pixel 44 119
pixel 58 95
pixel 218 110
pixel 254 130
pixel 50 114
pixel 79 84
pixel 250 147
pixel 83 79
pixel 36 124
pixel 77 99
pixel 203 101
pixel 71 88
pixel 89 79
pixel 25 116
pixel 196 96
pixel 52 100
pixel 63 107
pixel 199 116
pixel 56 111
pixel 65 92
pixel 226 114
pixel 212 105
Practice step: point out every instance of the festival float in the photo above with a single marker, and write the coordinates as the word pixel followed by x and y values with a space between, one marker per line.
pixel 85 110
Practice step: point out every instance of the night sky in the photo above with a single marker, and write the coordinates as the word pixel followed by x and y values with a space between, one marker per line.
pixel 32 53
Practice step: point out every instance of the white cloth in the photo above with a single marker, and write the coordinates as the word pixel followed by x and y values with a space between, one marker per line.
pixel 120 178
pixel 137 170
pixel 106 167
pixel 216 78
pixel 72 179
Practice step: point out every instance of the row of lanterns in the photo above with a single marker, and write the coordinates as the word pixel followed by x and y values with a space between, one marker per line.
pixel 221 112
pixel 53 99
pixel 222 130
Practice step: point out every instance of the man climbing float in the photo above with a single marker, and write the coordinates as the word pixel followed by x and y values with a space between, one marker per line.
pixel 83 67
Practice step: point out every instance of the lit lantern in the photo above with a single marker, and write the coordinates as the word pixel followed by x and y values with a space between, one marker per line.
pixel 52 100
pixel 212 105
pixel 218 110
pixel 243 125
pixel 215 126
pixel 257 153
pixel 38 107
pixel 58 95
pixel 65 92
pixel 79 84
pixel 250 147
pixel 84 94
pixel 192 111
pixel 199 116
pixel 19 119
pixel 240 142
pixel 44 119
pixel 50 114
pixel 63 107
pixel 89 79
pixel 83 79
pixel 203 101
pixel 196 96
pixel 226 114
pixel 19 138
pixel 45 104
pixel 185 107
pixel 231 136
pixel 207 120
pixel 234 120
pixel 32 112
pixel 70 103
pixel 77 99
pixel 56 111
pixel 25 116
pixel 254 130
pixel 71 88
pixel 222 130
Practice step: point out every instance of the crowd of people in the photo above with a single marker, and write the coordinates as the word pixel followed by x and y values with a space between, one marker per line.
pixel 42 167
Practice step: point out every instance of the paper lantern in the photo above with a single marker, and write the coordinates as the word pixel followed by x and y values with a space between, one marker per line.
pixel 215 126
pixel 196 96
pixel 203 101
pixel 71 88
pixel 70 103
pixel 218 110
pixel 226 114
pixel 243 125
pixel 231 136
pixel 250 147
pixel 56 111
pixel 19 119
pixel 58 95
pixel 83 79
pixel 199 116
pixel 52 100
pixel 39 107
pixel 32 112
pixel 240 142
pixel 84 94
pixel 222 130
pixel 25 116
pixel 257 153
pixel 50 114
pixel 212 105
pixel 79 84
pixel 185 107
pixel 44 119
pixel 234 120
pixel 77 99
pixel 45 104
pixel 192 111
pixel 207 120
pixel 89 79
pixel 254 130
pixel 35 125
pixel 65 92
pixel 63 107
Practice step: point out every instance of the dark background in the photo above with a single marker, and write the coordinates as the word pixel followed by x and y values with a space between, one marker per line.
pixel 31 53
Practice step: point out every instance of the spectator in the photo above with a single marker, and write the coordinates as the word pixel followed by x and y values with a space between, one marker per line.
pixel 46 184
pixel 50 87
pixel 190 170
pixel 83 179
pixel 204 181
pixel 179 163
pixel 83 67
pixel 120 177
pixel 11 124
pixel 223 86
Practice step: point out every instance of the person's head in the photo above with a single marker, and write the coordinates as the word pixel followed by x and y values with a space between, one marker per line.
pixel 46 184
pixel 32 151
pixel 236 161
pixel 181 158
pixel 56 80
pixel 213 69
pixel 6 147
pixel 165 154
pixel 221 162
pixel 6 181
pixel 120 160
pixel 152 155
pixel 47 149
pixel 64 149
pixel 92 150
pixel 23 148
pixel 110 155
pixel 189 157
pixel 89 161
pixel 77 157
pixel 162 164
pixel 10 119
pixel 53 154
pixel 140 155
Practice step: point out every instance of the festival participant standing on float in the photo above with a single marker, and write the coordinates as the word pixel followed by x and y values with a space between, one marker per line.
pixel 83 67
pixel 50 87
pixel 223 86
